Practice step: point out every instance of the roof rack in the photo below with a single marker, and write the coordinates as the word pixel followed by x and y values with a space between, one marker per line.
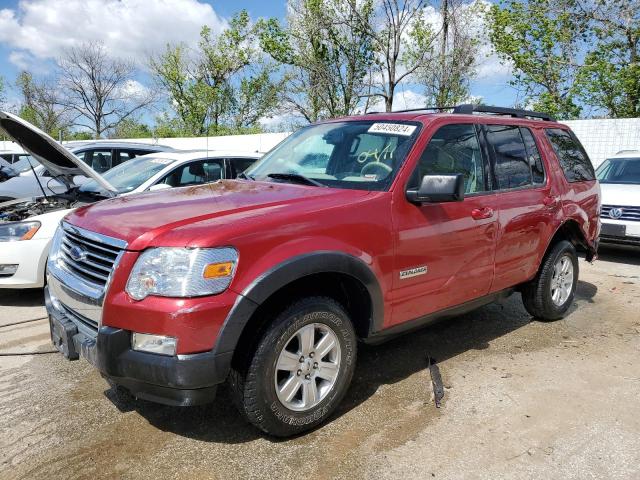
pixel 468 109
pixel 512 112
pixel 409 110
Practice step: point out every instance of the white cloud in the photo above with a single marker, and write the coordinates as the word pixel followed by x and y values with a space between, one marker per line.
pixel 131 29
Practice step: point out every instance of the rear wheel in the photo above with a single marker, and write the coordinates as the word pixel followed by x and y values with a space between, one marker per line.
pixel 300 370
pixel 550 294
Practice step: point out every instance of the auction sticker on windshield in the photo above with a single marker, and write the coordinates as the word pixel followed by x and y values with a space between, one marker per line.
pixel 392 128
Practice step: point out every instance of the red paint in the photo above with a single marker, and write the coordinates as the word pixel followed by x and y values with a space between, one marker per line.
pixel 483 244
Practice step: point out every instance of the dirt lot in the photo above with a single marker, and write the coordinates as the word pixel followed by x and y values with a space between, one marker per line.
pixel 523 399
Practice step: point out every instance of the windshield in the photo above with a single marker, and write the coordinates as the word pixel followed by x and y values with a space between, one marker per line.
pixel 129 175
pixel 364 155
pixel 24 164
pixel 619 170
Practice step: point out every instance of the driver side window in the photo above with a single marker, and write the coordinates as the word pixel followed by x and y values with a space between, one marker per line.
pixel 453 149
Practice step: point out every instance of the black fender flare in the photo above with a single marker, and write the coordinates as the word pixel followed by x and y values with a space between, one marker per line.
pixel 287 272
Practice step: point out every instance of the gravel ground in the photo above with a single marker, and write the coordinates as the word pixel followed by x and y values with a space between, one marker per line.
pixel 523 399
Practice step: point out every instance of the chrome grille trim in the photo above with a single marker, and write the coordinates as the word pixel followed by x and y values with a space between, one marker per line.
pixel 80 285
pixel 628 213
pixel 101 254
pixel 89 327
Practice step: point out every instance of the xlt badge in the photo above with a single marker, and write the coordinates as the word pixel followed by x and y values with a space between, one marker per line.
pixel 413 272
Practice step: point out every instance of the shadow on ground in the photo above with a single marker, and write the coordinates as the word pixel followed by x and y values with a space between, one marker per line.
pixel 32 297
pixel 619 254
pixel 377 365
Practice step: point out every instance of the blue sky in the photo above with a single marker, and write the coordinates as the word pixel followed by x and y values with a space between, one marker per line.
pixel 33 33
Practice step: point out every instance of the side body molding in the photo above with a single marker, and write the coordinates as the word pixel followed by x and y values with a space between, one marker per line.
pixel 289 271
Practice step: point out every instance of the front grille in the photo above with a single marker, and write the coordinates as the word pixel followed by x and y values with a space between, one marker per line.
pixel 90 326
pixel 628 213
pixel 95 260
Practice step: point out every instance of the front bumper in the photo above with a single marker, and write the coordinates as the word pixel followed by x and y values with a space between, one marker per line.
pixel 31 258
pixel 181 380
pixel 620 232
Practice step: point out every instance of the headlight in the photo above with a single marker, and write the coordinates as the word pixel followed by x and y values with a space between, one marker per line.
pixel 15 231
pixel 182 272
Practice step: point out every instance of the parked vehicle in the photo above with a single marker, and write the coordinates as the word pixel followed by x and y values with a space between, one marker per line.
pixel 5 170
pixel 353 229
pixel 27 227
pixel 619 178
pixel 35 180
pixel 12 157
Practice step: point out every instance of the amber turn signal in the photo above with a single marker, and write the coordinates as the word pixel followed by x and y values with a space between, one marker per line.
pixel 30 233
pixel 218 270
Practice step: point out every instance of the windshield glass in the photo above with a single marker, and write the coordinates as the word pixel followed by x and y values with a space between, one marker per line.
pixel 24 164
pixel 619 170
pixel 129 175
pixel 364 155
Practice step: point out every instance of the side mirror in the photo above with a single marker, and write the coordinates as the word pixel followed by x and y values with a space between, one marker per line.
pixel 438 188
pixel 158 186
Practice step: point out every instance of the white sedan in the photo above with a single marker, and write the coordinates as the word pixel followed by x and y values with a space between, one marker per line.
pixel 33 179
pixel 619 178
pixel 26 228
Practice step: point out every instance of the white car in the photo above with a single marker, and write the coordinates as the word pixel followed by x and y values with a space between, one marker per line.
pixel 619 178
pixel 34 179
pixel 27 227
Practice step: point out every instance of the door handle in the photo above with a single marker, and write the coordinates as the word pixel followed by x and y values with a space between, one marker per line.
pixel 481 213
pixel 550 201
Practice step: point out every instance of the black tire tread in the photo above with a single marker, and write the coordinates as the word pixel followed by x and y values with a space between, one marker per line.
pixel 243 385
pixel 534 293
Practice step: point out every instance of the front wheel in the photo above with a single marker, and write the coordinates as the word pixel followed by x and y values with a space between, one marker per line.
pixel 550 294
pixel 300 370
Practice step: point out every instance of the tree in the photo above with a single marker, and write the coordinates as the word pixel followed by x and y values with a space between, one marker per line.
pixel 2 98
pixel 41 104
pixel 403 42
pixel 131 128
pixel 100 90
pixel 543 41
pixel 327 50
pixel 446 79
pixel 224 86
pixel 610 76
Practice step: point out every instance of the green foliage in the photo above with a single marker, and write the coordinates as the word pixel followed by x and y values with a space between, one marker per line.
pixel 79 135
pixel 328 54
pixel 610 76
pixel 129 128
pixel 224 86
pixel 542 40
pixel 40 105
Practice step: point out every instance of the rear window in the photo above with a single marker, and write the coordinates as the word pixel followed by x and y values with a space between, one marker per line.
pixel 573 159
pixel 512 163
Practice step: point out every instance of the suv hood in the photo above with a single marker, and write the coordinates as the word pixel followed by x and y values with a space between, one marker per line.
pixel 620 195
pixel 145 219
pixel 58 160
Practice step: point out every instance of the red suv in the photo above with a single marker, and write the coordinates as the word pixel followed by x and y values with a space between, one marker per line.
pixel 354 229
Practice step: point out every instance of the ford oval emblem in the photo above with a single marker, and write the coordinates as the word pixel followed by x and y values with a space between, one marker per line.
pixel 615 213
pixel 77 254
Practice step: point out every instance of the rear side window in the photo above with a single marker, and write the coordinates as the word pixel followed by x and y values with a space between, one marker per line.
pixel 573 159
pixel 512 162
pixel 535 160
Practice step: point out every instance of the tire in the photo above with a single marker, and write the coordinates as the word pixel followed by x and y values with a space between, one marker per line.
pixel 260 390
pixel 541 295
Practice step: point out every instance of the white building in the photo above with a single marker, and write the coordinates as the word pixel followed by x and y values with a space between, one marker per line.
pixel 605 137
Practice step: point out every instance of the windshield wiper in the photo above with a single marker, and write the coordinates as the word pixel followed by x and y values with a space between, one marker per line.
pixel 245 176
pixel 296 177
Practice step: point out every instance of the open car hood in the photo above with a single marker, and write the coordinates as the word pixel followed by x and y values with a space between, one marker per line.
pixel 59 161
